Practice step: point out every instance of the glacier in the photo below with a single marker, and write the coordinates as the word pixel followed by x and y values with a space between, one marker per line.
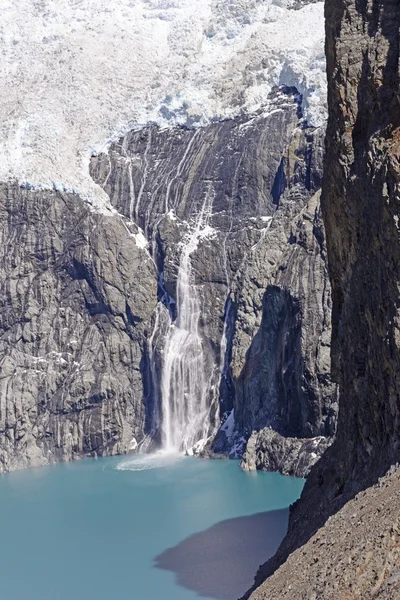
pixel 76 74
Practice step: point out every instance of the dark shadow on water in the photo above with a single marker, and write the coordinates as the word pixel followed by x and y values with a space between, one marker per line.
pixel 221 561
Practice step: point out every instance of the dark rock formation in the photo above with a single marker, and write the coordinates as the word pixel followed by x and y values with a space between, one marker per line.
pixel 280 368
pixel 361 206
pixel 269 451
pixel 77 298
pixel 284 381
pixel 81 337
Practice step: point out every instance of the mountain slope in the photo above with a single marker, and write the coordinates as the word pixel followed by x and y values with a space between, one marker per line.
pixel 361 206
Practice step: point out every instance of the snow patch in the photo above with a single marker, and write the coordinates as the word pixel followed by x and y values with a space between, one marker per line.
pixel 229 424
pixel 133 445
pixel 171 215
pixel 207 232
pixel 140 240
pixel 198 448
pixel 238 448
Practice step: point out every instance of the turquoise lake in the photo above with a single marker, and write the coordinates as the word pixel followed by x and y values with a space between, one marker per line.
pixel 144 528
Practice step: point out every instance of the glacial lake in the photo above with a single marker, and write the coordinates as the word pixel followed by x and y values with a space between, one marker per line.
pixel 142 528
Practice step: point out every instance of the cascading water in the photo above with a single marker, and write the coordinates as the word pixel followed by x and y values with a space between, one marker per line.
pixel 185 385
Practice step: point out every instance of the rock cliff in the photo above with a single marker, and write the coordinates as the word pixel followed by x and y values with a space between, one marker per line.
pixel 87 295
pixel 77 298
pixel 283 381
pixel 267 450
pixel 361 212
pixel 259 267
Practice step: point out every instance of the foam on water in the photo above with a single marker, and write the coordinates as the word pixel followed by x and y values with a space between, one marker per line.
pixel 146 462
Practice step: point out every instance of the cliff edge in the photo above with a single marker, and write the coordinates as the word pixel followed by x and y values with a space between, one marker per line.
pixel 360 202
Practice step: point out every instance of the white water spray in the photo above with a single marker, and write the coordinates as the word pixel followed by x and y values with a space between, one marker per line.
pixel 185 385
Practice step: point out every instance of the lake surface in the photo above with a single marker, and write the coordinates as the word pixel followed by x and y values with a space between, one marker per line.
pixel 144 528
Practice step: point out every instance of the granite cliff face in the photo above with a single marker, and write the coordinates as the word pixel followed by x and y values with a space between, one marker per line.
pixel 284 380
pixel 259 266
pixel 76 303
pixel 88 297
pixel 361 212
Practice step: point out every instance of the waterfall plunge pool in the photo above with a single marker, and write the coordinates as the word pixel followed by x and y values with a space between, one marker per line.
pixel 139 528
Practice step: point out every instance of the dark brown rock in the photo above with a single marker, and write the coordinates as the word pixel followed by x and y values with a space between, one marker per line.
pixel 361 208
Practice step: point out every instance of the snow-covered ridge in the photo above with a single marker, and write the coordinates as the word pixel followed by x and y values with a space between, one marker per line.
pixel 76 73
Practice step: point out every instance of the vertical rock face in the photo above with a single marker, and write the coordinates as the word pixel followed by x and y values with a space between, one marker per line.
pixel 284 380
pixel 88 298
pixel 259 267
pixel 77 297
pixel 361 207
pixel 361 204
pixel 281 343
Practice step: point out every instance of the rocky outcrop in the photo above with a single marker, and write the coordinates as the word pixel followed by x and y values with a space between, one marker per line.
pixel 77 298
pixel 361 212
pixel 355 555
pixel 269 451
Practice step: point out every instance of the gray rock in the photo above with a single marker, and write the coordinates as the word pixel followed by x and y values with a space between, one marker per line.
pixel 282 339
pixel 80 356
pixel 76 303
pixel 266 450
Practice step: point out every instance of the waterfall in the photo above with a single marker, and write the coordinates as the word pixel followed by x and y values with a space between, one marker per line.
pixel 185 383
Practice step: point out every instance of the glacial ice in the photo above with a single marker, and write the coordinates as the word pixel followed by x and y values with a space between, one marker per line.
pixel 75 74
